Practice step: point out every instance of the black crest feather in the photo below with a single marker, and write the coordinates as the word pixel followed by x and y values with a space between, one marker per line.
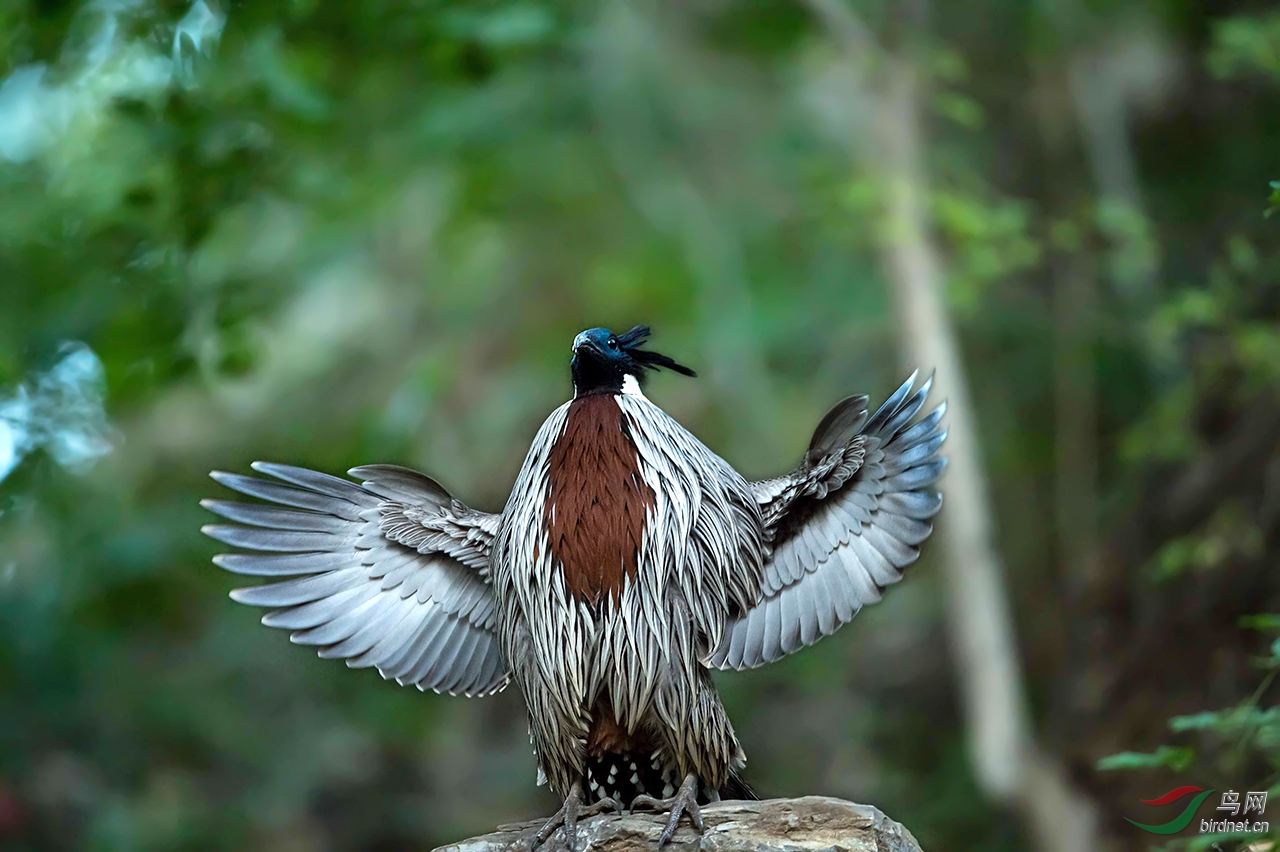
pixel 631 341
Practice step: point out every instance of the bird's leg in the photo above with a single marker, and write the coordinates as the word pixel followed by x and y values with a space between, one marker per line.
pixel 570 812
pixel 685 801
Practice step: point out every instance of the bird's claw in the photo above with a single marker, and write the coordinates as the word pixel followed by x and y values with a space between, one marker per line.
pixel 684 802
pixel 608 803
pixel 567 817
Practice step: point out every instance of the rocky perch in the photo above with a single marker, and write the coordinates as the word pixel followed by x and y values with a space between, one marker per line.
pixel 776 825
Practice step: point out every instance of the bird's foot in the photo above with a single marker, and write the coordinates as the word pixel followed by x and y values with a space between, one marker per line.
pixel 684 802
pixel 567 817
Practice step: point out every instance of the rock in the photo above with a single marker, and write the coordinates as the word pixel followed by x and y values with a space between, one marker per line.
pixel 777 825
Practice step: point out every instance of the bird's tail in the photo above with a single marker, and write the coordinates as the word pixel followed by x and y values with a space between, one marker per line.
pixel 736 788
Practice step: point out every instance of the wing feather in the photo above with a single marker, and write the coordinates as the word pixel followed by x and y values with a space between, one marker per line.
pixel 920 505
pixel 287 495
pixel 299 591
pixel 402 485
pixel 422 613
pixel 322 483
pixel 843 598
pixel 315 613
pixel 769 630
pixel 392 639
pixel 844 525
pixel 279 541
pixel 278 566
pixel 390 615
pixel 257 515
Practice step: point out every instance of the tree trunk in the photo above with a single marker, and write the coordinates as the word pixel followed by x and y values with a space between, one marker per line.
pixel 1007 763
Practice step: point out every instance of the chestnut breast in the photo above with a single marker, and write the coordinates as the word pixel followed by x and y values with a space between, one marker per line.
pixel 597 501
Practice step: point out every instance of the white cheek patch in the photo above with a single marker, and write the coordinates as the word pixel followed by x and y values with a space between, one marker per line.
pixel 631 387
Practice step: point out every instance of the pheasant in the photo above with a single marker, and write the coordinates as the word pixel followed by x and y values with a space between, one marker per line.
pixel 629 561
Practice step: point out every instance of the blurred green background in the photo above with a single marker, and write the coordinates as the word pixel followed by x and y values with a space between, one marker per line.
pixel 340 233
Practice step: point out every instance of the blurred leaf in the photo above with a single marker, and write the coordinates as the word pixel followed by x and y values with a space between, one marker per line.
pixel 1261 622
pixel 1227 722
pixel 1134 251
pixel 517 24
pixel 1177 759
pixel 947 64
pixel 1163 434
pixel 1258 344
pixel 1199 721
pixel 990 242
pixel 1246 43
pixel 963 110
pixel 1228 534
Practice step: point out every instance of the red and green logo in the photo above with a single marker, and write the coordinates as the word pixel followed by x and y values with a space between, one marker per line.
pixel 1183 819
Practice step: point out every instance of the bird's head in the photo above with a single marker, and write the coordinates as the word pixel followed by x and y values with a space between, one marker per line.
pixel 604 362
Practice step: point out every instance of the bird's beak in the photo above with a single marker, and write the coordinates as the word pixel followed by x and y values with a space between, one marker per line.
pixel 583 342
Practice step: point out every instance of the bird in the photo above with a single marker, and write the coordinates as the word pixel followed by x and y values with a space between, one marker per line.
pixel 629 562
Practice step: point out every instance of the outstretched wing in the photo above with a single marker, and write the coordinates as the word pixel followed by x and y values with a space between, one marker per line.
pixel 390 573
pixel 843 524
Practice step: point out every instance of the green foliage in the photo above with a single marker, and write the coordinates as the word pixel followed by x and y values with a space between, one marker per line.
pixel 1237 351
pixel 1246 44
pixel 1177 759
pixel 990 241
pixel 1231 534
pixel 1234 748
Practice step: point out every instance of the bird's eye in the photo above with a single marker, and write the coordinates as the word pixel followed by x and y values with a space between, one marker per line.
pixel 613 343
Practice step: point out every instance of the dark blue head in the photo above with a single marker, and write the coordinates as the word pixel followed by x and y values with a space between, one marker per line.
pixel 602 360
